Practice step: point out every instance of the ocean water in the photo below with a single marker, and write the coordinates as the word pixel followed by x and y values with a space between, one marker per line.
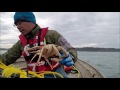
pixel 2 51
pixel 107 63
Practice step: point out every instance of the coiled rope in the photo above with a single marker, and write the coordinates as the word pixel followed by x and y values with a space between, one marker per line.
pixel 8 71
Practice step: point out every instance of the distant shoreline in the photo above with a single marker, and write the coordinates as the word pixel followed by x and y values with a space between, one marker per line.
pixel 92 49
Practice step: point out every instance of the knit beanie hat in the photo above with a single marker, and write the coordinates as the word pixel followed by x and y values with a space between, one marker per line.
pixel 24 16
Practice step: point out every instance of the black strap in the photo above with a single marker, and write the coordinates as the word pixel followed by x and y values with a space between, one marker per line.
pixel 39 37
pixel 31 45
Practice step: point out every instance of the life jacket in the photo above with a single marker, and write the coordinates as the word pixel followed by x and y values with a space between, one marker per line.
pixel 39 40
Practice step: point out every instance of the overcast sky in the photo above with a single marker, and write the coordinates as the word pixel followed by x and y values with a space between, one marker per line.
pixel 81 29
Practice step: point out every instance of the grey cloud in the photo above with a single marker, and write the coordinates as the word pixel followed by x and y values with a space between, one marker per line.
pixel 79 28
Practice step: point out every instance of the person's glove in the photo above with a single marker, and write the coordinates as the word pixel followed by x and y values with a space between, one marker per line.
pixel 67 61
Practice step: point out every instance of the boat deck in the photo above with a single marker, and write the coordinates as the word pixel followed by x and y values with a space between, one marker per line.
pixel 84 69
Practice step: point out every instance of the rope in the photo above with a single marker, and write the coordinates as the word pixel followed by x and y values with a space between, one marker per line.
pixel 42 73
pixel 77 71
pixel 35 74
pixel 8 71
pixel 78 76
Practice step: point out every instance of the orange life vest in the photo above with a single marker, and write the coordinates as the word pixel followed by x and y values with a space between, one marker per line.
pixel 38 41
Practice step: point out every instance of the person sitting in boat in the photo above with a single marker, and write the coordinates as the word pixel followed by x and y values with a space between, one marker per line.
pixel 33 35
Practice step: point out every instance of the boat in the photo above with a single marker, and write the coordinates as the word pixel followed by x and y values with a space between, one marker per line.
pixel 82 69
pixel 85 70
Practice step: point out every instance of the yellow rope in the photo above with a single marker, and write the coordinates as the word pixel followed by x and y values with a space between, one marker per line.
pixel 2 66
pixel 35 74
pixel 9 70
pixel 50 72
pixel 77 71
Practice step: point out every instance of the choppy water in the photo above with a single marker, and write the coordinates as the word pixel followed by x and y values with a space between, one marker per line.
pixel 108 63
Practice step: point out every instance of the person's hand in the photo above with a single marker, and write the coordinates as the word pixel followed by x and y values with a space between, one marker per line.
pixel 67 61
